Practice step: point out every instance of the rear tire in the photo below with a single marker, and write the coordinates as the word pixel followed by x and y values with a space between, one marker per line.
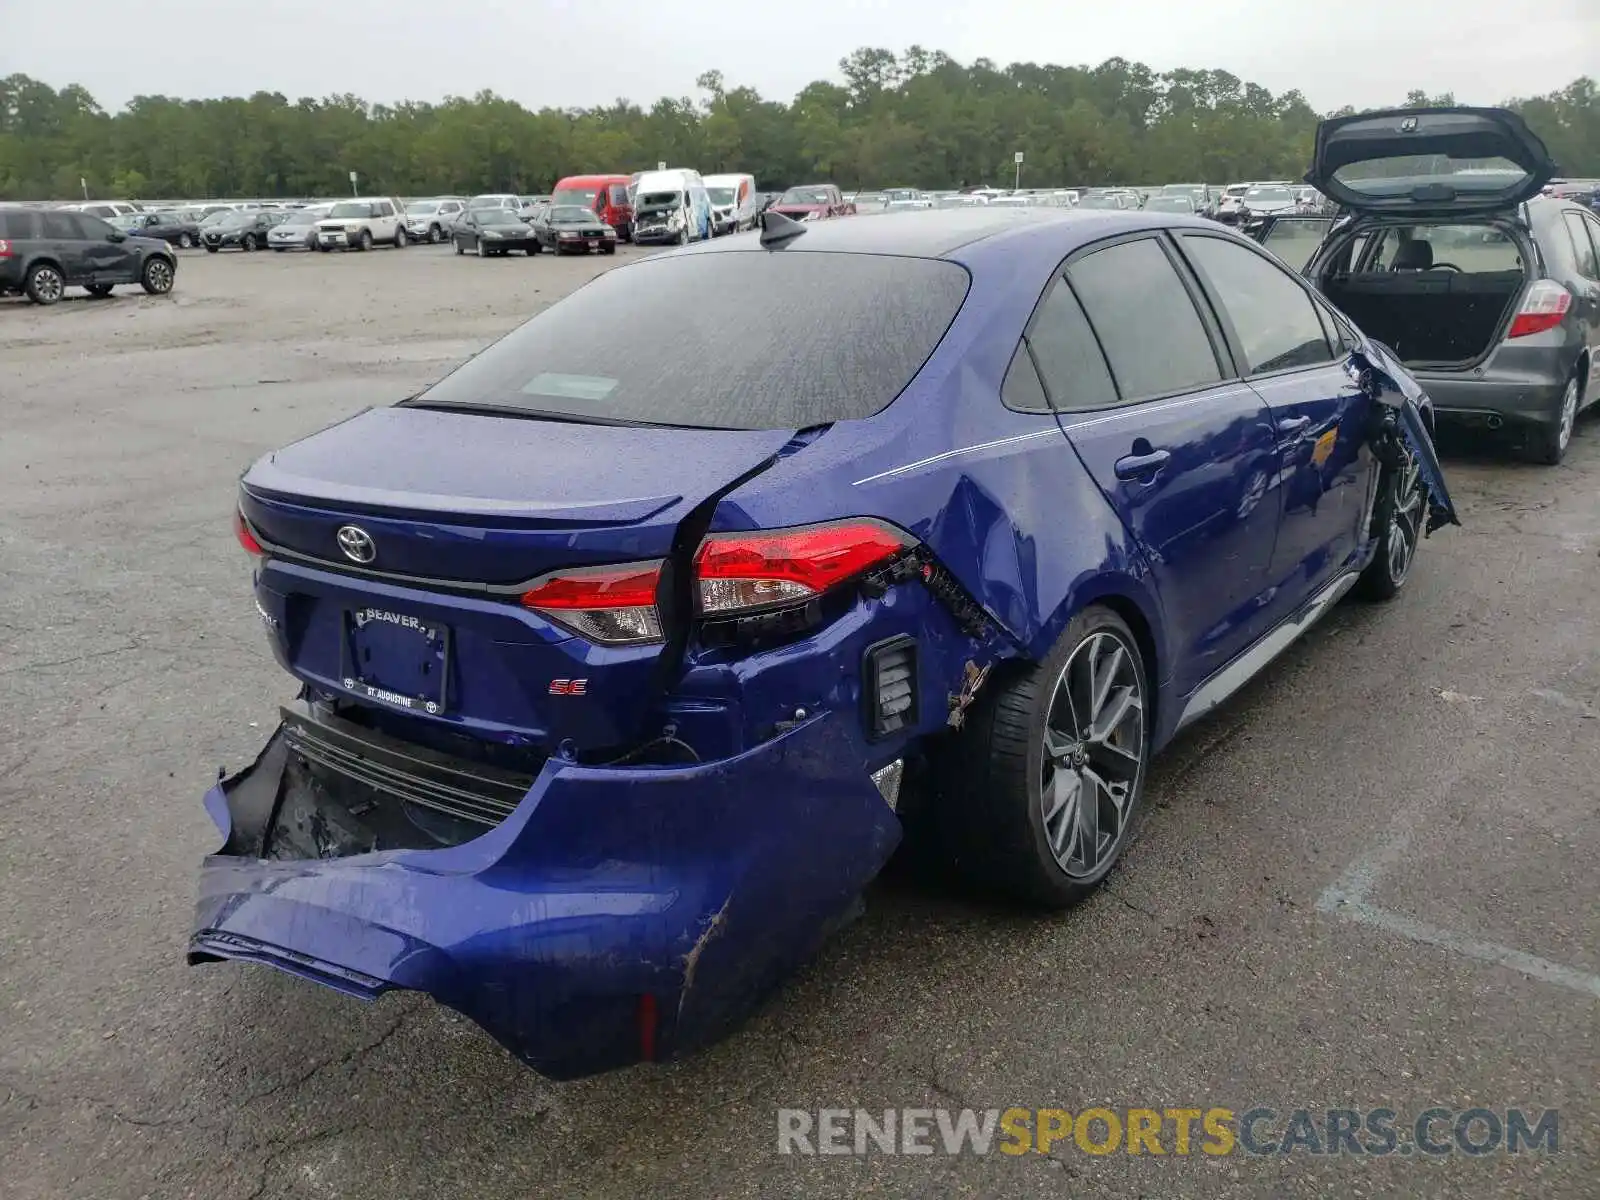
pixel 1548 443
pixel 1034 801
pixel 1403 507
pixel 45 283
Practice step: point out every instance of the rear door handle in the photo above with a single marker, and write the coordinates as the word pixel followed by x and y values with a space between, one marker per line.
pixel 1141 466
pixel 1290 426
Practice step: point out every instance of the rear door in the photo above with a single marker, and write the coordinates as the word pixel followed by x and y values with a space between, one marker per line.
pixel 1323 468
pixel 63 240
pixel 1429 161
pixel 1184 451
pixel 110 258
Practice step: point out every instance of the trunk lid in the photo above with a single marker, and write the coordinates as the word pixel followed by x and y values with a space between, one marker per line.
pixel 398 545
pixel 1429 161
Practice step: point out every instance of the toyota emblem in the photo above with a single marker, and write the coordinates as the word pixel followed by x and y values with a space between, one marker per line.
pixel 357 544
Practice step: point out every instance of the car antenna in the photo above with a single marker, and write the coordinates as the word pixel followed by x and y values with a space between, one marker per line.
pixel 778 230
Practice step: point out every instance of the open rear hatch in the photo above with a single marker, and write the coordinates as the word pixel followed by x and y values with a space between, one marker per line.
pixel 1429 161
pixel 508 577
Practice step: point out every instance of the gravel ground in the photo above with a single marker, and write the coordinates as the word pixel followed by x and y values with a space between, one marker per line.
pixel 1367 882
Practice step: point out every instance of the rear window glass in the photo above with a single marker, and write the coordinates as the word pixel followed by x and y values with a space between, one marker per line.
pixel 1582 247
pixel 821 337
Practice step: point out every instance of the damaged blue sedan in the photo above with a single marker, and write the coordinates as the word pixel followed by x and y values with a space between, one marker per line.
pixel 616 646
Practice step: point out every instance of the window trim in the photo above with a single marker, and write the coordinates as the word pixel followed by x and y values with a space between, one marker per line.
pixel 1236 346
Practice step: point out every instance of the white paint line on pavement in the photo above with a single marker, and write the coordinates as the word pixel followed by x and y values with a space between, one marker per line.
pixel 1346 897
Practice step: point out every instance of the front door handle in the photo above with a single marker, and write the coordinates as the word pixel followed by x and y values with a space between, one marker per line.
pixel 1141 466
pixel 1290 426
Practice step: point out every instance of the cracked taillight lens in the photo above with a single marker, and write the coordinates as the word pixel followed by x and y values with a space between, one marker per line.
pixel 613 605
pixel 774 568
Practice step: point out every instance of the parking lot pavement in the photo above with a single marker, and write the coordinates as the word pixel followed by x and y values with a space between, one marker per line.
pixel 1367 882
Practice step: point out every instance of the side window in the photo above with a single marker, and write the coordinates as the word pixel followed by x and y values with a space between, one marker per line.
pixel 1582 246
pixel 19 224
pixel 1022 390
pixel 1148 326
pixel 1273 318
pixel 92 228
pixel 59 226
pixel 1295 239
pixel 1070 362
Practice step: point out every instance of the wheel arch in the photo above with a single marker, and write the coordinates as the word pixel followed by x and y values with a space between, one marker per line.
pixel 1138 607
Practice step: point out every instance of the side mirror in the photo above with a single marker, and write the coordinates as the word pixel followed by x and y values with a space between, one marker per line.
pixel 116 235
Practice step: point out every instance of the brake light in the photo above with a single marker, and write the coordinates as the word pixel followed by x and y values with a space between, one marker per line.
pixel 737 572
pixel 612 605
pixel 5 248
pixel 1544 307
pixel 241 530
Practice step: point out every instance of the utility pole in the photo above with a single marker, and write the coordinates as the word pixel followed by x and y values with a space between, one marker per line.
pixel 353 191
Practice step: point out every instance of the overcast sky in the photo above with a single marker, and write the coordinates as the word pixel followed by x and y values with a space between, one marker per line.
pixel 585 52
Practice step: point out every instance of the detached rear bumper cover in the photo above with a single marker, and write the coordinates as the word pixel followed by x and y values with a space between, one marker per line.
pixel 700 887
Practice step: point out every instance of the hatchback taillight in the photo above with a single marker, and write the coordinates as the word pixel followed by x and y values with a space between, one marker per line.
pixel 5 248
pixel 611 605
pixel 739 573
pixel 1544 307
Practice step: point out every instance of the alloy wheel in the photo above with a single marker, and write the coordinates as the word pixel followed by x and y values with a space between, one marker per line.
pixel 1094 752
pixel 1569 414
pixel 47 285
pixel 158 276
pixel 1405 523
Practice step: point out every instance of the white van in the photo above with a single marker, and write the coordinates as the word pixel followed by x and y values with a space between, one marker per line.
pixel 733 202
pixel 671 206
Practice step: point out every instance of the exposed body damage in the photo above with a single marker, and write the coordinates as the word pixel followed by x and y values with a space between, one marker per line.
pixel 603 722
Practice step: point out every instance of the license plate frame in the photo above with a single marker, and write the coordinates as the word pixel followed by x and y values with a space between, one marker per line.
pixel 397 636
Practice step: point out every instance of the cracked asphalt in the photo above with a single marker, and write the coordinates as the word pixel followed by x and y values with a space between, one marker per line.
pixel 1444 750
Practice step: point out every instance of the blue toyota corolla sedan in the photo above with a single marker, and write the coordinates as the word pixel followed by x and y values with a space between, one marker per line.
pixel 615 647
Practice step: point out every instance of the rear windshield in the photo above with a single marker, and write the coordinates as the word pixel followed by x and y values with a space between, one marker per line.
pixel 822 337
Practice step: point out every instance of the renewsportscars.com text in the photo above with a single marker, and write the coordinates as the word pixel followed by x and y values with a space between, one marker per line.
pixel 1180 1132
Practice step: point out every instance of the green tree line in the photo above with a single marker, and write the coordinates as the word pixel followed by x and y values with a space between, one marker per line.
pixel 914 119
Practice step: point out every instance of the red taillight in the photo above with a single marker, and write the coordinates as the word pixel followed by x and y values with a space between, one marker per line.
pixel 1544 307
pixel 612 605
pixel 241 530
pixel 769 568
pixel 5 248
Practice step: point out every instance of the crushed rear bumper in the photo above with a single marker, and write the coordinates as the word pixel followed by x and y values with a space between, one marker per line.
pixel 616 915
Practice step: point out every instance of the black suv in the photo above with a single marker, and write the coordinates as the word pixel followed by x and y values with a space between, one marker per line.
pixel 43 252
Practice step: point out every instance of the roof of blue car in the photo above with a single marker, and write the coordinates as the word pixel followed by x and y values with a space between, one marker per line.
pixel 936 233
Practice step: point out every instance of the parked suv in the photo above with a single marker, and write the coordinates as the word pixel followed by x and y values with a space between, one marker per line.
pixel 44 252
pixel 1446 252
pixel 432 220
pixel 362 223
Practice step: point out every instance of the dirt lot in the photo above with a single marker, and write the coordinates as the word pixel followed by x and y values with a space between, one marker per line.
pixel 1368 882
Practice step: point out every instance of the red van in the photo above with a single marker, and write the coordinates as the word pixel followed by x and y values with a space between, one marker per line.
pixel 604 195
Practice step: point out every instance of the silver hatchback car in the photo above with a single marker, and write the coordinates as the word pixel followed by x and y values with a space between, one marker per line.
pixel 1445 251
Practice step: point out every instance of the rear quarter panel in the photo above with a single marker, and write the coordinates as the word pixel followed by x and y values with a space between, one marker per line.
pixel 999 496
